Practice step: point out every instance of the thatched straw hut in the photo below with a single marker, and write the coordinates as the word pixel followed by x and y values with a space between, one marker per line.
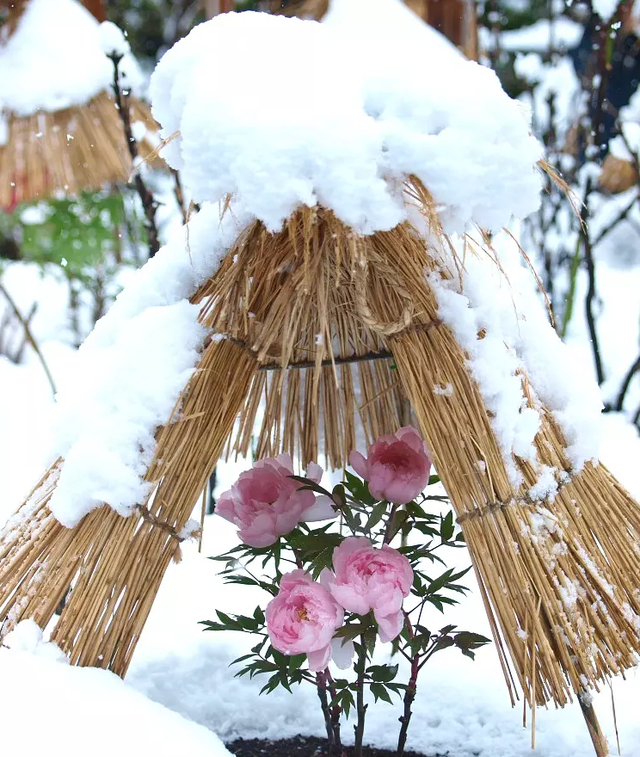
pixel 59 129
pixel 340 262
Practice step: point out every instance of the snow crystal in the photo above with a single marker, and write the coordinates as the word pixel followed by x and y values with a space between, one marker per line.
pixel 605 8
pixel 191 530
pixel 112 405
pixel 139 130
pixel 131 371
pixel 55 59
pixel 586 697
pixel 444 390
pixel 348 141
pixel 112 40
pixel 544 522
pixel 546 487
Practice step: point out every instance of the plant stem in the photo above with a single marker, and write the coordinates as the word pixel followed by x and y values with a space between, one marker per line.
pixel 336 713
pixel 146 197
pixel 321 686
pixel 29 336
pixel 409 695
pixel 591 291
pixel 361 707
pixel 387 532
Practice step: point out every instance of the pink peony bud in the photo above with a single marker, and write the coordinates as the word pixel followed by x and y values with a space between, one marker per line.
pixel 303 618
pixel 265 503
pixel 397 468
pixel 366 578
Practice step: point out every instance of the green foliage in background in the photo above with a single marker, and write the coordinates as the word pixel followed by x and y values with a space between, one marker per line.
pixel 78 234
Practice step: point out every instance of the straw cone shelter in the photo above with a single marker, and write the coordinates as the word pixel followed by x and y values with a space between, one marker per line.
pixel 48 150
pixel 312 332
pixel 116 564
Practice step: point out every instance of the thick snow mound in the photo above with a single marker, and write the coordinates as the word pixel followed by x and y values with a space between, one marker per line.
pixel 55 59
pixel 52 708
pixel 328 113
pixel 130 372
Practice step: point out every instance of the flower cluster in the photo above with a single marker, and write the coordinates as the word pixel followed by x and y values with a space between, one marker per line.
pixel 305 614
pixel 268 502
pixel 338 587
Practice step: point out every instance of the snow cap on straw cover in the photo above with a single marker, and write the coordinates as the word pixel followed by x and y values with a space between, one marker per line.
pixel 59 130
pixel 367 123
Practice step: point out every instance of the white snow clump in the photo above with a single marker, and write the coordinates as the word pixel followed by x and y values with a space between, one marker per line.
pixel 338 115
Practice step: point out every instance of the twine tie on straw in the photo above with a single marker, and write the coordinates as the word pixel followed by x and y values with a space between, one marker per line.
pixel 494 507
pixel 162 525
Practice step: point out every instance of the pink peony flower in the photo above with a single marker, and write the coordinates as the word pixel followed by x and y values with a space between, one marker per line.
pixel 366 578
pixel 265 503
pixel 397 468
pixel 303 618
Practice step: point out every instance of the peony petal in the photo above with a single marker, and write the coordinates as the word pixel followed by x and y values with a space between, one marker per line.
pixel 400 491
pixel 326 578
pixel 294 578
pixel 261 532
pixel 319 658
pixel 314 472
pixel 381 477
pixel 285 461
pixel 322 509
pixel 342 553
pixel 389 626
pixel 342 653
pixel 348 597
pixel 359 464
pixel 409 435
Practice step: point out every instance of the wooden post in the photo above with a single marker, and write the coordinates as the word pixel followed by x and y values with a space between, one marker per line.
pixel 597 737
pixel 456 19
pixel 216 7
pixel 96 7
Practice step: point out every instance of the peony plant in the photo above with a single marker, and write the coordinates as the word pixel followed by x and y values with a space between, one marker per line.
pixel 360 576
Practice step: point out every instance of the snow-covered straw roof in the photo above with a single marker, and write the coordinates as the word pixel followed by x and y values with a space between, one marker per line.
pixel 55 59
pixel 339 115
pixel 312 113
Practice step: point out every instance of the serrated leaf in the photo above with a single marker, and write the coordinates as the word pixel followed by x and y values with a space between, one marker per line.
pixel 296 661
pixel 339 497
pixel 309 485
pixel 444 643
pixel 399 519
pixel 376 515
pixel 415 511
pixel 380 692
pixel 469 640
pixel 383 673
pixel 447 527
pixel 439 582
pixel 359 489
